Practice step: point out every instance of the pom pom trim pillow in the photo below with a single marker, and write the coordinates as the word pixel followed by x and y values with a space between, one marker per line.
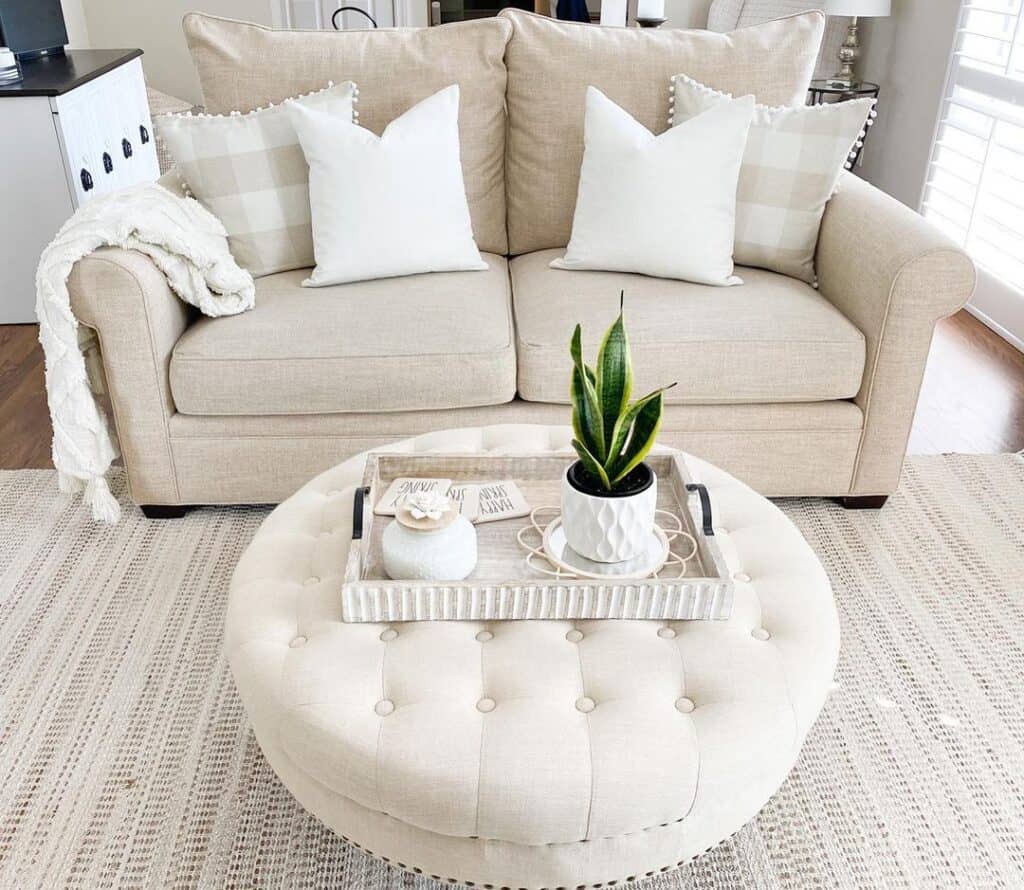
pixel 387 205
pixel 658 205
pixel 248 170
pixel 791 167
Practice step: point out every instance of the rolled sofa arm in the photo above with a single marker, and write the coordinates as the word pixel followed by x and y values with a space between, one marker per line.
pixel 894 275
pixel 125 298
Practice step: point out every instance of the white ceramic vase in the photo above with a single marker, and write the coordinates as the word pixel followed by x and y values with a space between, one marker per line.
pixel 446 554
pixel 608 528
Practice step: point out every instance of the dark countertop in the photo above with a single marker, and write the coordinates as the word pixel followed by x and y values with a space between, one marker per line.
pixel 56 75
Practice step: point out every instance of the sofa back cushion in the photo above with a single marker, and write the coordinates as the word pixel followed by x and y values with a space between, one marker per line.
pixel 243 66
pixel 551 63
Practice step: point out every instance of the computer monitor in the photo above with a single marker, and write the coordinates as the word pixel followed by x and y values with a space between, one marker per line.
pixel 32 28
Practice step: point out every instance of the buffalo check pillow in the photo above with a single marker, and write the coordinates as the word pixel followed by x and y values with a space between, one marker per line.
pixel 791 167
pixel 250 172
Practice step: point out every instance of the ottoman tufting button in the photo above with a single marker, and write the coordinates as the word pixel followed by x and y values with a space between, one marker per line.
pixel 298 641
pixel 384 707
pixel 311 580
pixel 759 633
pixel 485 705
pixel 685 705
pixel 386 636
pixel 585 704
pixel 666 633
pixel 742 577
pixel 574 636
pixel 485 636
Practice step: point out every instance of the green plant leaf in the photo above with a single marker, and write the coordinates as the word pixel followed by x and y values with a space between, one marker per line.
pixel 587 422
pixel 645 431
pixel 625 422
pixel 591 463
pixel 614 377
pixel 576 394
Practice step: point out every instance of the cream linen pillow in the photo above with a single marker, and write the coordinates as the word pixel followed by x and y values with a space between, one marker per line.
pixel 242 65
pixel 551 63
pixel 248 170
pixel 791 166
pixel 658 205
pixel 387 205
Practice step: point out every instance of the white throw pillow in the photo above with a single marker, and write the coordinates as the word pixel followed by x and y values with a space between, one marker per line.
pixel 248 170
pixel 387 205
pixel 658 205
pixel 791 167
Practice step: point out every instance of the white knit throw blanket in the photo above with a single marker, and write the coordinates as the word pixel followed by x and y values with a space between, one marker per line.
pixel 189 245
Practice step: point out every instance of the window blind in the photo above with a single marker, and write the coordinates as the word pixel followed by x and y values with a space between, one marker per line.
pixel 975 185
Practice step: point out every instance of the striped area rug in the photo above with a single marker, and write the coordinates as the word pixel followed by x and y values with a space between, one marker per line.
pixel 125 759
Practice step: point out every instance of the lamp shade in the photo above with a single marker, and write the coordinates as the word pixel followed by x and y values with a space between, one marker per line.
pixel 858 7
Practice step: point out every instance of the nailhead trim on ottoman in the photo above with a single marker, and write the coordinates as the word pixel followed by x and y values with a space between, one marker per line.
pixel 529 754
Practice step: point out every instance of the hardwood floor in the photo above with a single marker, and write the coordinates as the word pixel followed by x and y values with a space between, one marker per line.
pixel 24 419
pixel 972 399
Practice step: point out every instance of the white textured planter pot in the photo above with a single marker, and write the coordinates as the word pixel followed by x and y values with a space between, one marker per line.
pixel 609 528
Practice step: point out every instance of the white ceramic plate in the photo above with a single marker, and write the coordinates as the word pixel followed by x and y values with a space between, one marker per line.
pixel 561 555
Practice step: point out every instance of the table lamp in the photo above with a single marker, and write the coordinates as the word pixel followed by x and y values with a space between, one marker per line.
pixel 849 51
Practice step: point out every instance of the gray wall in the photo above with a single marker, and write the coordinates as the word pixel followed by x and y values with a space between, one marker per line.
pixel 155 26
pixel 74 18
pixel 686 13
pixel 907 53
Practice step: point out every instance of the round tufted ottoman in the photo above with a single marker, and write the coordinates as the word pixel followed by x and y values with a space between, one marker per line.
pixel 529 754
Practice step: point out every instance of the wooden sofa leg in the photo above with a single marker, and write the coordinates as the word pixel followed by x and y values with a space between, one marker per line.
pixel 163 511
pixel 867 502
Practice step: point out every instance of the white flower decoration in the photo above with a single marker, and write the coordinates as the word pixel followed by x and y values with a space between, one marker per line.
pixel 427 504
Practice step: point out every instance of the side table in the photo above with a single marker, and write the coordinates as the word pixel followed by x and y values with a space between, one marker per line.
pixel 840 92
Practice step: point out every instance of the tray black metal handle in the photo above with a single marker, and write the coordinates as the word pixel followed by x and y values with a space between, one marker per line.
pixel 705 507
pixel 357 513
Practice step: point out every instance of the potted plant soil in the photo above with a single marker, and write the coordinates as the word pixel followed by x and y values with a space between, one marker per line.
pixel 609 495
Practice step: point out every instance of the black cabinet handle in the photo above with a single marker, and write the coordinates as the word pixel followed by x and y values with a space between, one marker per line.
pixel 86 178
pixel 143 133
pixel 108 163
pixel 126 147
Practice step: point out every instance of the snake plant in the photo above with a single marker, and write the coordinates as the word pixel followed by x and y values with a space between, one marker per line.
pixel 612 435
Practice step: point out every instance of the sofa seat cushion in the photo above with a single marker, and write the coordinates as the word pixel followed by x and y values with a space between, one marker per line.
pixel 441 340
pixel 773 339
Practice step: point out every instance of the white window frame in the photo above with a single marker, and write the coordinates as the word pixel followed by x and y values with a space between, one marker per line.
pixel 997 302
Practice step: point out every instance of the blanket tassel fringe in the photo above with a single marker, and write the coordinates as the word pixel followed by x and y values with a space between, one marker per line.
pixel 105 507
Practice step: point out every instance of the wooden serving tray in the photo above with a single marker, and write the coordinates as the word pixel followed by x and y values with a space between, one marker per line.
pixel 503 587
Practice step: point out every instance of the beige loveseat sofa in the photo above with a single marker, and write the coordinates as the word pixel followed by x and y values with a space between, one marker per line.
pixel 797 390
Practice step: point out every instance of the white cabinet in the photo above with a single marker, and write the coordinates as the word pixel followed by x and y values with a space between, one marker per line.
pixel 78 126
